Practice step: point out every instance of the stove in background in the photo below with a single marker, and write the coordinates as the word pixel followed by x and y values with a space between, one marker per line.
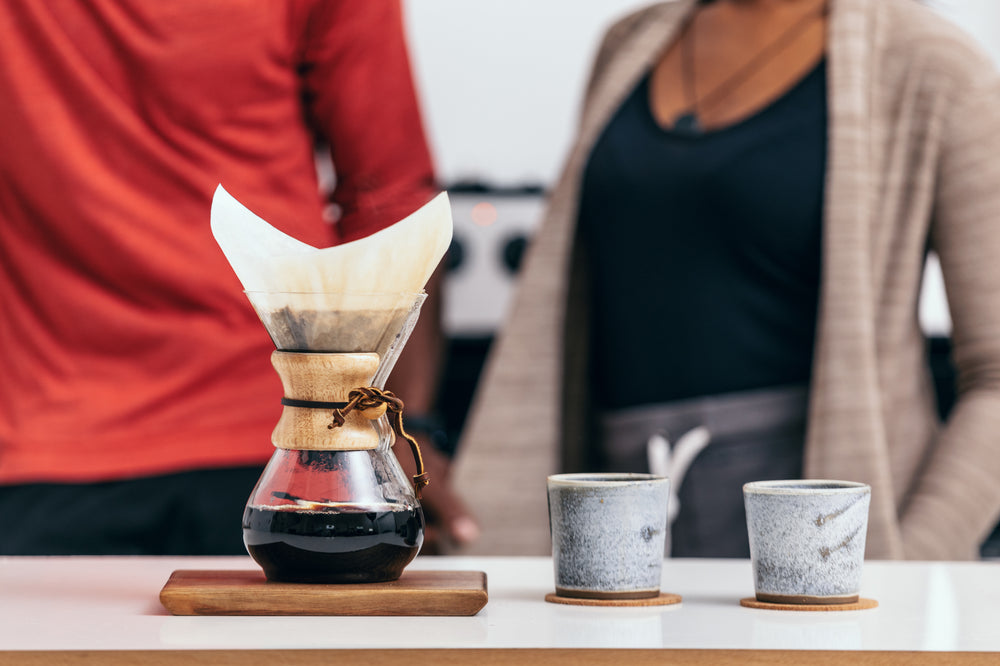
pixel 493 227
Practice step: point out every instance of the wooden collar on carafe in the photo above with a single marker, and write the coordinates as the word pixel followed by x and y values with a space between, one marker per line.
pixel 314 385
pixel 329 406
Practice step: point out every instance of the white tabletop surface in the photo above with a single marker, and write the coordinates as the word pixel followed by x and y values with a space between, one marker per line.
pixel 86 603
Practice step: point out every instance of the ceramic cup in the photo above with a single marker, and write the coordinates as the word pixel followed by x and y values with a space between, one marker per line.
pixel 608 534
pixel 807 539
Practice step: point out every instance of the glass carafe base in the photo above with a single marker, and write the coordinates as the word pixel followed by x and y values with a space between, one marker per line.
pixel 340 543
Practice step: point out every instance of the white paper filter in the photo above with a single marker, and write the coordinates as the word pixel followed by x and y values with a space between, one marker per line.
pixel 348 298
pixel 397 259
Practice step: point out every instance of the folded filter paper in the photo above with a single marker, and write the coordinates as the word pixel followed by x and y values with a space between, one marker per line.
pixel 354 297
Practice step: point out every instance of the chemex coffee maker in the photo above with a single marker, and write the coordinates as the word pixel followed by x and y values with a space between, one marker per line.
pixel 333 504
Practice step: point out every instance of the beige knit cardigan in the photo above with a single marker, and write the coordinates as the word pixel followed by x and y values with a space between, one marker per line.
pixel 913 161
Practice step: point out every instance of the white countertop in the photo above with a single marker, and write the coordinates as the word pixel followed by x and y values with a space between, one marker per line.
pixel 111 603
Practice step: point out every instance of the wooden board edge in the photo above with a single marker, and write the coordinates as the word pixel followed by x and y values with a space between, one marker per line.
pixel 227 599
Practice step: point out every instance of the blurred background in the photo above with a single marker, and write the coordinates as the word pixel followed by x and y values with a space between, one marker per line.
pixel 500 86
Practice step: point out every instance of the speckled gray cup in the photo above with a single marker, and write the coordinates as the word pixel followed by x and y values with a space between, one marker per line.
pixel 608 534
pixel 807 539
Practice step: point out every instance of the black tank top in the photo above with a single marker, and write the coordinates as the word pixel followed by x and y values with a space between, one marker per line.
pixel 704 251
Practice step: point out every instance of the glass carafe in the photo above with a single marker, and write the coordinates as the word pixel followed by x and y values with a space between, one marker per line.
pixel 333 504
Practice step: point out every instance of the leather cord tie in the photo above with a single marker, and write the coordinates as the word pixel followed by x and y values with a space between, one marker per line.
pixel 372 403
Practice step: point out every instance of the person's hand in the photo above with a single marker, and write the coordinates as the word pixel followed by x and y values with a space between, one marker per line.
pixel 448 520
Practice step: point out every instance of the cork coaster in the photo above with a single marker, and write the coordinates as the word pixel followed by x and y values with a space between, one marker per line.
pixel 860 604
pixel 664 599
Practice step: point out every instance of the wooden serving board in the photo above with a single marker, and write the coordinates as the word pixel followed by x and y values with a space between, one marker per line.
pixel 196 592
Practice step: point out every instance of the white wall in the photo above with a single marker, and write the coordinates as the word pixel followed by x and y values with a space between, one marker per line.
pixel 500 81
pixel 981 18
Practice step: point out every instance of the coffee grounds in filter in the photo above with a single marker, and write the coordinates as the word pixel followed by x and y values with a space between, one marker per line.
pixel 334 331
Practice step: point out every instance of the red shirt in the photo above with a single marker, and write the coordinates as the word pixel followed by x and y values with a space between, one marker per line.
pixel 126 345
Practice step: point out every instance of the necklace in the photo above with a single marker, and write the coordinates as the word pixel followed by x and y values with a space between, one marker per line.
pixel 687 122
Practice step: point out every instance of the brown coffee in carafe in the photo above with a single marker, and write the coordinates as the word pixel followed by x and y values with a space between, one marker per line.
pixel 339 543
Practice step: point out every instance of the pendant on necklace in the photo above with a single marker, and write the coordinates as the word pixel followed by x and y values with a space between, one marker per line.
pixel 687 124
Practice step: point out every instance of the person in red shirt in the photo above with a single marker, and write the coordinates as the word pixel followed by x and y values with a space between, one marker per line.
pixel 136 392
